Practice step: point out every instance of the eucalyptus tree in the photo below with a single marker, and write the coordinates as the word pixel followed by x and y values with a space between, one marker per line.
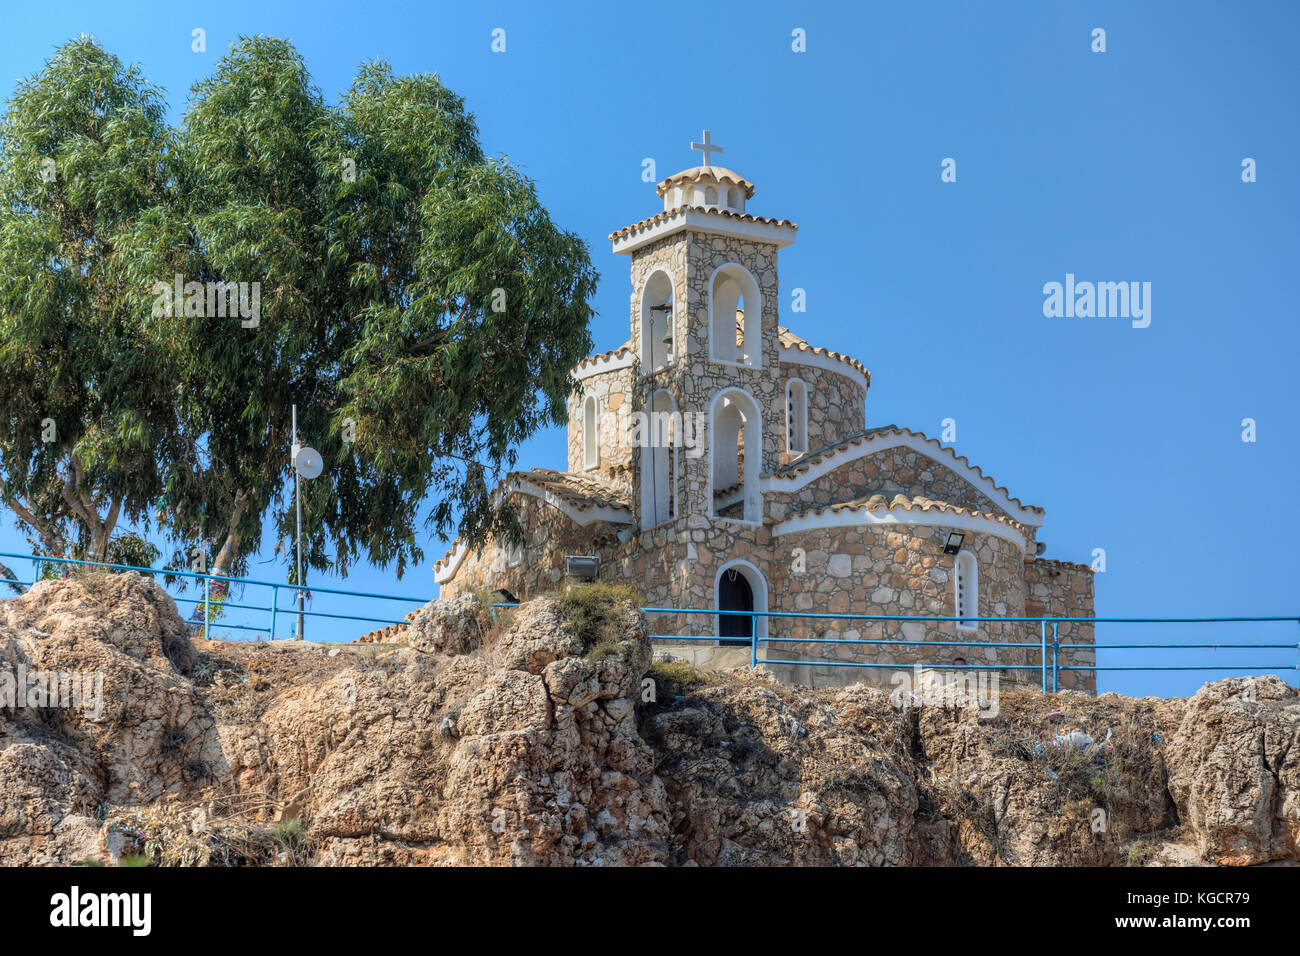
pixel 415 301
pixel 87 383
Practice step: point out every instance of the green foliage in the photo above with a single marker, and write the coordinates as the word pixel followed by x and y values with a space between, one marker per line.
pixel 131 549
pixel 673 679
pixel 87 402
pixel 427 302
pixel 1140 854
pixel 597 613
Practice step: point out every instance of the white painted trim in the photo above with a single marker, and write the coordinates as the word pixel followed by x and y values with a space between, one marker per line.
pixel 839 366
pixel 759 587
pixel 689 217
pixel 870 446
pixel 789 450
pixel 862 517
pixel 453 564
pixel 610 363
pixel 757 461
pixel 757 338
pixel 586 517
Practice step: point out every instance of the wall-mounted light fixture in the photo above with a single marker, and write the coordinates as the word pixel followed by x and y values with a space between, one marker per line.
pixel 582 566
pixel 953 544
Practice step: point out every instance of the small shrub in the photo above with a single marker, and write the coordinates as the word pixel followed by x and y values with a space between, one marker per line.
pixel 1140 854
pixel 595 611
pixel 673 678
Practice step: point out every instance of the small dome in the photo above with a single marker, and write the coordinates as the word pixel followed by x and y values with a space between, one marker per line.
pixel 712 187
pixel 714 174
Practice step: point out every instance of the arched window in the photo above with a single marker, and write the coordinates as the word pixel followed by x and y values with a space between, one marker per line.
pixel 966 590
pixel 657 322
pixel 796 417
pixel 660 438
pixel 735 317
pixel 711 196
pixel 736 452
pixel 590 434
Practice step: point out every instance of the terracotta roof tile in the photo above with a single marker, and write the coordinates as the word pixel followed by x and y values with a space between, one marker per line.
pixel 578 490
pixel 624 349
pixel 791 341
pixel 678 211
pixel 717 174
pixel 880 502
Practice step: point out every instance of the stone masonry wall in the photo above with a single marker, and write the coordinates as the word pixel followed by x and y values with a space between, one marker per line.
pixel 896 570
pixel 612 391
pixel 836 406
pixel 1064 589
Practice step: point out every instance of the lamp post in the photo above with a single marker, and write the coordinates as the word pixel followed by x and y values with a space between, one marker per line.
pixel 306 463
pixel 297 547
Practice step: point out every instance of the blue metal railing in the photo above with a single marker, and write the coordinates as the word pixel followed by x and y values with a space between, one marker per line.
pixel 1049 651
pixel 224 581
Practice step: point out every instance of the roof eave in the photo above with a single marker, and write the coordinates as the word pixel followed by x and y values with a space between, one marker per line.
pixel 779 234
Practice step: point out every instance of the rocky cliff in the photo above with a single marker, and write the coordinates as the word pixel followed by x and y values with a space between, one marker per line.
pixel 528 742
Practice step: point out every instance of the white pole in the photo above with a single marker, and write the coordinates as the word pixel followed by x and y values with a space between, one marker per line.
pixel 297 494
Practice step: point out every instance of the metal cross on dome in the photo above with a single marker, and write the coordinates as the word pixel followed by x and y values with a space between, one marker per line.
pixel 706 148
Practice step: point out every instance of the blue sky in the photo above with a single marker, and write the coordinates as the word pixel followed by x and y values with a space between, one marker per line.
pixel 1115 166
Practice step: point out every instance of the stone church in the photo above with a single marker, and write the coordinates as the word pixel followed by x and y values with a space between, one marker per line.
pixel 719 461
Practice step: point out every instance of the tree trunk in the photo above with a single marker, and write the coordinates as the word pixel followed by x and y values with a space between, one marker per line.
pixel 229 552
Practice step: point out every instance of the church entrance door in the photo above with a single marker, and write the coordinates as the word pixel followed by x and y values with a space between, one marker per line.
pixel 735 594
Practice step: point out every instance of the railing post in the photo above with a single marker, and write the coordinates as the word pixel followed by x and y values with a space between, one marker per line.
pixel 275 603
pixel 36 570
pixel 207 603
pixel 1043 655
pixel 753 645
pixel 1056 647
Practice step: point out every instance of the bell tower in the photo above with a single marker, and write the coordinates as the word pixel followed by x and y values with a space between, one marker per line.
pixel 705 301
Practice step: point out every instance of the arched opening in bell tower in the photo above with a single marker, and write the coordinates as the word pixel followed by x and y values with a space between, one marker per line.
pixel 657 326
pixel 735 317
pixel 735 455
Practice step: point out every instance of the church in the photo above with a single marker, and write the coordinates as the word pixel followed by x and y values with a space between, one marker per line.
pixel 717 461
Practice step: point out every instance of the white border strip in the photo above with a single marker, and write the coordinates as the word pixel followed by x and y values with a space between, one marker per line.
pixel 846 517
pixel 453 564
pixel 687 217
pixel 584 518
pixel 793 356
pixel 870 446
pixel 608 363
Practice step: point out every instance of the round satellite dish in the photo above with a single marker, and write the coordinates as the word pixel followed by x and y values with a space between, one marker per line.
pixel 308 462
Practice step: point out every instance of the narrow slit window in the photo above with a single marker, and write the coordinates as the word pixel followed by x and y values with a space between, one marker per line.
pixel 966 587
pixel 796 409
pixel 590 437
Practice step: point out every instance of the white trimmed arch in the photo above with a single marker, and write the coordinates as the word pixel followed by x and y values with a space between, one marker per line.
pixel 657 291
pixel 733 292
pixel 661 439
pixel 757 585
pixel 735 453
